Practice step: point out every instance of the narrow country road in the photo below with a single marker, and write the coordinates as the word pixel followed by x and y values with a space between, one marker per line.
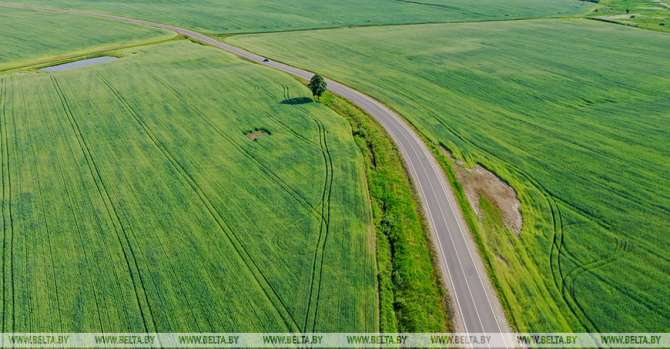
pixel 475 303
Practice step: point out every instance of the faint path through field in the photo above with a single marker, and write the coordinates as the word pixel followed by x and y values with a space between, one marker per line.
pixel 475 303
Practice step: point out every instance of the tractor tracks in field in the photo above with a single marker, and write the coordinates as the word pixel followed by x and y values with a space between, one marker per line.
pixel 268 172
pixel 564 282
pixel 269 291
pixel 324 214
pixel 38 180
pixel 277 180
pixel 311 314
pixel 556 199
pixel 314 294
pixel 287 127
pixel 78 225
pixel 82 246
pixel 7 215
pixel 119 229
pixel 556 253
pixel 52 261
pixel 295 133
pixel 324 229
pixel 559 255
pixel 569 279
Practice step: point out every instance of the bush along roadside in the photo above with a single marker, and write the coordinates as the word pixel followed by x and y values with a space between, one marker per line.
pixel 411 296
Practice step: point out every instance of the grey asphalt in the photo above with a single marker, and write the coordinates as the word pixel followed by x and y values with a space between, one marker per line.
pixel 474 301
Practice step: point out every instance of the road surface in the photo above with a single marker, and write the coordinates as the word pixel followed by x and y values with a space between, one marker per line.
pixel 475 303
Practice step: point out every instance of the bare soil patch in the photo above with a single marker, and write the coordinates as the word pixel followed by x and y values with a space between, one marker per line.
pixel 478 181
pixel 257 133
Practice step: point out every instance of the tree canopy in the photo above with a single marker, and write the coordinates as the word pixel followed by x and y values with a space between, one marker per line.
pixel 318 85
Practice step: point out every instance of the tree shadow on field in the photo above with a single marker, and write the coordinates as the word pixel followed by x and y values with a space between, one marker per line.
pixel 297 101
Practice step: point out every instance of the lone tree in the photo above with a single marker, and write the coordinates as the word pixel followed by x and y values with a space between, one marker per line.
pixel 318 85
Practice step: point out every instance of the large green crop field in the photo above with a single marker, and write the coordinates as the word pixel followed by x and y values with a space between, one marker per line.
pixel 234 16
pixel 575 114
pixel 134 199
pixel 30 37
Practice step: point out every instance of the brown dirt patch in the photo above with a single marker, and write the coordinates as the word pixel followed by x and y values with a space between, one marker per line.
pixel 257 133
pixel 478 181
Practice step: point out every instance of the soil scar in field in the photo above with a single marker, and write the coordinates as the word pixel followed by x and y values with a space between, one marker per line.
pixel 478 181
pixel 257 133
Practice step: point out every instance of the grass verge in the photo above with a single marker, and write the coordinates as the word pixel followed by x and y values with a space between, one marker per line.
pixel 410 294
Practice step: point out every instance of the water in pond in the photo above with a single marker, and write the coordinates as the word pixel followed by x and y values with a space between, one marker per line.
pixel 79 64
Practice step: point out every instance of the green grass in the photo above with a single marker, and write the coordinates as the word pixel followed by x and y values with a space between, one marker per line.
pixel 234 16
pixel 133 201
pixel 573 113
pixel 30 37
pixel 647 14
pixel 410 291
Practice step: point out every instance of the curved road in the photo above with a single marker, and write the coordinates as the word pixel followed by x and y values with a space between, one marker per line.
pixel 474 301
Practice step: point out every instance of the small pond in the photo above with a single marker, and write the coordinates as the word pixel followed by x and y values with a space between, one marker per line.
pixel 79 64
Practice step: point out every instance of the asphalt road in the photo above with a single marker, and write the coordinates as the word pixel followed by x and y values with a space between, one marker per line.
pixel 474 301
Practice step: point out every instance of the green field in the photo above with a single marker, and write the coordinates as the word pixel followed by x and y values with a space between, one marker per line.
pixel 234 16
pixel 30 37
pixel 134 200
pixel 574 114
pixel 647 14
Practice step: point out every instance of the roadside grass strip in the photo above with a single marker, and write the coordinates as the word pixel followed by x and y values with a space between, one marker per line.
pixel 411 297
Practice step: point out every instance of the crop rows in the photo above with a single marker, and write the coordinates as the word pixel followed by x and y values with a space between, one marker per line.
pixel 154 212
pixel 235 241
pixel 258 16
pixel 7 217
pixel 131 260
pixel 26 43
